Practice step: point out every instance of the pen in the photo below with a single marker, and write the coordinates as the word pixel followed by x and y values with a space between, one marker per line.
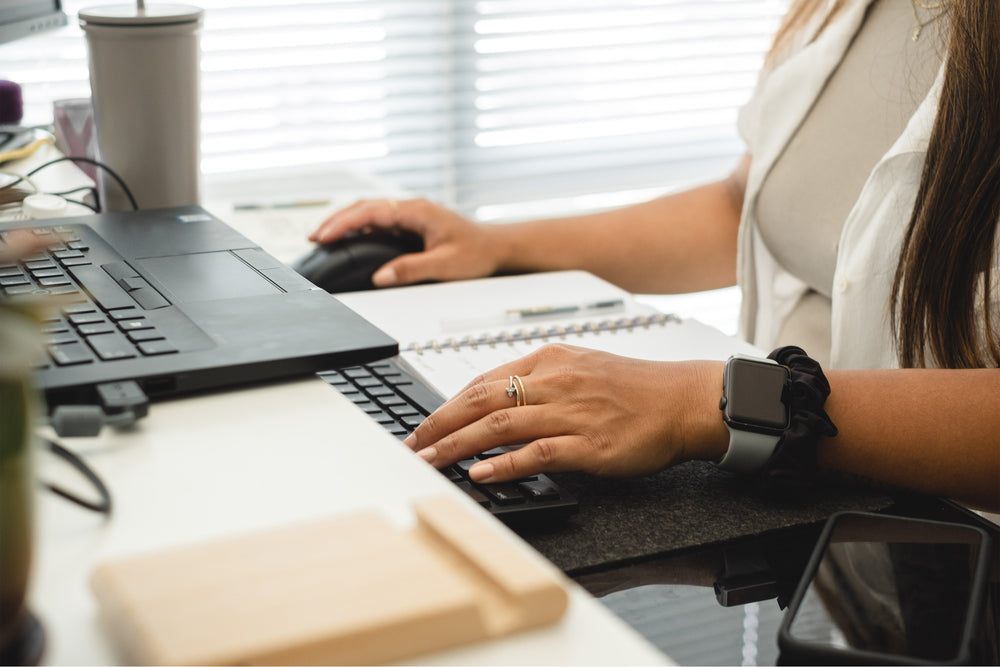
pixel 566 309
pixel 306 203
pixel 533 313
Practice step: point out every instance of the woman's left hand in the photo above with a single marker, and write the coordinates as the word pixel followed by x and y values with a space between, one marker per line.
pixel 582 410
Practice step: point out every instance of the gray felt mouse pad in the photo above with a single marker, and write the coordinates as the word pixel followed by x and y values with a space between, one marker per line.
pixel 690 505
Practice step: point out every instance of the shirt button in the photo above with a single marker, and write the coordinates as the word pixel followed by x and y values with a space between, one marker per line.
pixel 841 284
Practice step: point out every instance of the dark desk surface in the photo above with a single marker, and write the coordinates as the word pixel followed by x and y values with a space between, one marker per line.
pixel 670 598
pixel 696 504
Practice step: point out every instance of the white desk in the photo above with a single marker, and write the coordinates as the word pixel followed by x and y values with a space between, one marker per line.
pixel 233 462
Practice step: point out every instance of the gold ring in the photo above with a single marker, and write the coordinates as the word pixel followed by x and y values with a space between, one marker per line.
pixel 516 390
pixel 394 207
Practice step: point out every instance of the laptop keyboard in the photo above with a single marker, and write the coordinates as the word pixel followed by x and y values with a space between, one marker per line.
pixel 105 302
pixel 399 401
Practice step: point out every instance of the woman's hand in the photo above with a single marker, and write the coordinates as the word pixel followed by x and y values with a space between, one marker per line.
pixel 454 247
pixel 584 410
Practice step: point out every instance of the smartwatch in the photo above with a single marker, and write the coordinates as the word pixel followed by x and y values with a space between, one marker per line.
pixel 754 410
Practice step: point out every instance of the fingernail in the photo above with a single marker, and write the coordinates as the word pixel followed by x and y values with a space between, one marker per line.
pixel 428 454
pixel 481 472
pixel 385 277
pixel 410 440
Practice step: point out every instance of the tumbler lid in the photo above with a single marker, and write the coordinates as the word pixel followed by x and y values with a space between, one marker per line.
pixel 146 15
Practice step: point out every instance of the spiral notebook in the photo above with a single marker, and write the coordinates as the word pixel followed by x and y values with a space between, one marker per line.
pixel 515 315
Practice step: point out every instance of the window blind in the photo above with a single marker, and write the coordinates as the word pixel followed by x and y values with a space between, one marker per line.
pixel 500 108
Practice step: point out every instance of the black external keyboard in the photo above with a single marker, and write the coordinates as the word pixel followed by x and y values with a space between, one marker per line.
pixel 105 303
pixel 399 401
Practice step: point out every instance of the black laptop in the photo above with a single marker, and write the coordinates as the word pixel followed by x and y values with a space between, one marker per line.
pixel 179 302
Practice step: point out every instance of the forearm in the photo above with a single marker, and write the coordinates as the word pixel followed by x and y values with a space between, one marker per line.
pixel 677 243
pixel 933 431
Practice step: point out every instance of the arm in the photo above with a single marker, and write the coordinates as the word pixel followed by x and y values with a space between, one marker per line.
pixel 931 431
pixel 680 242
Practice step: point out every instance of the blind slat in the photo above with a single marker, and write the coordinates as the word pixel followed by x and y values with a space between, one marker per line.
pixel 488 106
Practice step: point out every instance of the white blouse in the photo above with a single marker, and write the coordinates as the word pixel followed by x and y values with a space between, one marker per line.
pixel 869 245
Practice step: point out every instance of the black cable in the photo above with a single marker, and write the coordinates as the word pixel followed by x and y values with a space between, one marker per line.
pixel 84 204
pixel 87 160
pixel 95 207
pixel 104 506
pixel 73 191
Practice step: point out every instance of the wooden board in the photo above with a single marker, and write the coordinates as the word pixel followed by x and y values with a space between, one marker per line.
pixel 349 590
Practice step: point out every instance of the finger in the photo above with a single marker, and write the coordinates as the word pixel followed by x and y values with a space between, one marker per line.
pixel 551 454
pixel 413 268
pixel 509 426
pixel 21 243
pixel 521 367
pixel 327 230
pixel 361 214
pixel 466 407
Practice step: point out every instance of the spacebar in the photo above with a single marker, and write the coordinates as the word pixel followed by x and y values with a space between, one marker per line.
pixel 102 287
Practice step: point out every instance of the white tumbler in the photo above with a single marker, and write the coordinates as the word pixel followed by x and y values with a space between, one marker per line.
pixel 144 81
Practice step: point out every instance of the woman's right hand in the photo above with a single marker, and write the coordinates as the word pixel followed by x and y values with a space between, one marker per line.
pixel 454 247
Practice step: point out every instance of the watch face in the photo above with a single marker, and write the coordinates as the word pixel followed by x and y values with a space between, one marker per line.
pixel 753 391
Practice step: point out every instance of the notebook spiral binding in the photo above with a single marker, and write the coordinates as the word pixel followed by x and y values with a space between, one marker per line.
pixel 554 332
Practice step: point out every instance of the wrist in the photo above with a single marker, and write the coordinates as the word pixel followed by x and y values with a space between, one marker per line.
pixel 706 437
pixel 501 246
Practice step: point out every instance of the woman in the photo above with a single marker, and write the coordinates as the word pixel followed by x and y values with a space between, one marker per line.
pixel 860 225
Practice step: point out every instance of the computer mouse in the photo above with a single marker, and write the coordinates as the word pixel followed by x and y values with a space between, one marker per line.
pixel 347 265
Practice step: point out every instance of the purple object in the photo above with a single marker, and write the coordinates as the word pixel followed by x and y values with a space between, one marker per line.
pixel 11 103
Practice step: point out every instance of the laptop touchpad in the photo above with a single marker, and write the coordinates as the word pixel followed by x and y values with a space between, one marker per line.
pixel 207 276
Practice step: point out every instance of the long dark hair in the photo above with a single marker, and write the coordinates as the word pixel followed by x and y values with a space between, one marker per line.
pixel 947 254
pixel 943 275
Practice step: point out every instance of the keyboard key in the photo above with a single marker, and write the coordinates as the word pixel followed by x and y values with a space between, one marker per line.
pixel 412 422
pixel 144 334
pixel 55 327
pixel 155 347
pixel 11 281
pixel 378 391
pixel 61 338
pixel 79 319
pixel 96 328
pixel 71 354
pixel 127 314
pixel 404 411
pixel 391 401
pixel 503 494
pixel 149 298
pixel 464 465
pixel 55 282
pixel 474 493
pixel 47 273
pixel 105 291
pixel 131 324
pixel 539 489
pixel 111 347
pixel 43 263
pixel 79 308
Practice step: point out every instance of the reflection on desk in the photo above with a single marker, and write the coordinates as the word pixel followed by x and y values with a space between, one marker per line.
pixel 675 601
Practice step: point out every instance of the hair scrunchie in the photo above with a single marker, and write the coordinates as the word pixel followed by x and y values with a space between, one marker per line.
pixel 792 466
